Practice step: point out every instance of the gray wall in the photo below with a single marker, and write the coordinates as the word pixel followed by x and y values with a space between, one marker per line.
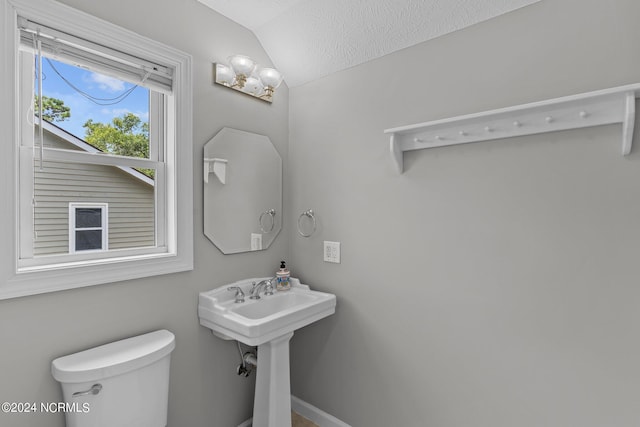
pixel 493 284
pixel 205 392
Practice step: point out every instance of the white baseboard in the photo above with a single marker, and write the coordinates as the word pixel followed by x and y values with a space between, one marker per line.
pixel 310 412
pixel 314 414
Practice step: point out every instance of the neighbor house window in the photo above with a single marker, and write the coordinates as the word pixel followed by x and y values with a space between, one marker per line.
pixel 88 227
pixel 101 121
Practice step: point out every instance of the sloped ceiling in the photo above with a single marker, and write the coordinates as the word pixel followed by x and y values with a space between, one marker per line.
pixel 308 39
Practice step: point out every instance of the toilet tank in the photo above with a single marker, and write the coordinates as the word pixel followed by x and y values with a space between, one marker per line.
pixel 123 383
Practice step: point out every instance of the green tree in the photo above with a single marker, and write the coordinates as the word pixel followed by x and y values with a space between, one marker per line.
pixel 53 109
pixel 127 135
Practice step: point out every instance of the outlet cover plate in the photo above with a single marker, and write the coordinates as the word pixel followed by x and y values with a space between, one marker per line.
pixel 332 252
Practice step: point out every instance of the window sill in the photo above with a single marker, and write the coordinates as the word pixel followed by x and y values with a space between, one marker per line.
pixel 57 277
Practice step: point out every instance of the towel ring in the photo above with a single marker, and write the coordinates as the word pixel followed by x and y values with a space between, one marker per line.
pixel 308 213
pixel 272 214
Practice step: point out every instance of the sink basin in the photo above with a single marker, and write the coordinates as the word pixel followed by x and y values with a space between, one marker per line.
pixel 255 322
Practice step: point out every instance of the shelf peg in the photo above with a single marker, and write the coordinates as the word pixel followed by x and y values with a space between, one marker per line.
pixel 438 138
pixel 418 140
pixel 517 124
pixel 462 133
pixel 548 119
pixel 488 129
pixel 583 114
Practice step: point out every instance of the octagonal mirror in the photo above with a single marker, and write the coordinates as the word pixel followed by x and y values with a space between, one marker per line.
pixel 242 191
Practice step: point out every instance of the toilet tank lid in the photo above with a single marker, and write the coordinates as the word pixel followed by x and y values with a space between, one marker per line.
pixel 113 359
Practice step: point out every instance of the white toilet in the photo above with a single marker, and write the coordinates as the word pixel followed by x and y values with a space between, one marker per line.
pixel 123 383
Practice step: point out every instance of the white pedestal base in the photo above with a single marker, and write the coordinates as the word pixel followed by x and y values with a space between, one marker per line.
pixel 272 401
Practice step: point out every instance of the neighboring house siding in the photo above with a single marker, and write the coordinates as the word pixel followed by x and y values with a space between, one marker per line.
pixel 131 202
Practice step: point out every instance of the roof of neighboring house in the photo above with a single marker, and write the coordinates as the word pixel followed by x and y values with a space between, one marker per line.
pixel 85 146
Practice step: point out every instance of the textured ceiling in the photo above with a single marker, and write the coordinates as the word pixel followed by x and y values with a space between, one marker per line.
pixel 308 39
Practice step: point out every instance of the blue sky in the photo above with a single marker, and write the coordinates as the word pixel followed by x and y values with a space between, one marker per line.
pixel 98 86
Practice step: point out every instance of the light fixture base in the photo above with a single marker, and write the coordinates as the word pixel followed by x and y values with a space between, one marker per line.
pixel 237 87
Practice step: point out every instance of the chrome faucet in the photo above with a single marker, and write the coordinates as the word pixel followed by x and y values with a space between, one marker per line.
pixel 268 288
pixel 239 293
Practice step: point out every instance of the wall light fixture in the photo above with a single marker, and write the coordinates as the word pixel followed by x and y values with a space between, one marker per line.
pixel 244 75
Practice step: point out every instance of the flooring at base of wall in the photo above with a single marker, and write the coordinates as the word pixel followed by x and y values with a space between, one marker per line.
pixel 311 413
pixel 297 420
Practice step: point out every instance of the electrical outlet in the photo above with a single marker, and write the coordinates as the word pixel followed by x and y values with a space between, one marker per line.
pixel 332 252
pixel 256 241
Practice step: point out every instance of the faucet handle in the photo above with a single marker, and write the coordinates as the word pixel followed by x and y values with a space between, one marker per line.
pixel 268 289
pixel 239 294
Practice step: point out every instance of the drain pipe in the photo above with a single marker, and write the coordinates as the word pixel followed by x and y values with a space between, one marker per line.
pixel 250 358
pixel 248 361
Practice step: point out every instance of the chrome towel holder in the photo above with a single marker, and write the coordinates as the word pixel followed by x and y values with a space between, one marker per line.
pixel 272 215
pixel 309 214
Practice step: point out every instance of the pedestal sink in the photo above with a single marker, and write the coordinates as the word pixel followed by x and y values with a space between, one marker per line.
pixel 269 323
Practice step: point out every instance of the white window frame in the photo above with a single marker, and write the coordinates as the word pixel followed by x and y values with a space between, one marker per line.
pixel 104 225
pixel 175 254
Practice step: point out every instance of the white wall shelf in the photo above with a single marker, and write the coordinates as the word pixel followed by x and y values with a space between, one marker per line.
pixel 603 107
pixel 218 167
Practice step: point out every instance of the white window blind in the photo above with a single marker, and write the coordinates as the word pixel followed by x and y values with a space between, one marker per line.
pixel 83 53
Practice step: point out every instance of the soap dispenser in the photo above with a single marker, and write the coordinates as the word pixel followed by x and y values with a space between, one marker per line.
pixel 282 278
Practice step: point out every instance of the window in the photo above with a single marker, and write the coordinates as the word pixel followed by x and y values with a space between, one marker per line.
pixel 88 227
pixel 89 209
pixel 87 112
